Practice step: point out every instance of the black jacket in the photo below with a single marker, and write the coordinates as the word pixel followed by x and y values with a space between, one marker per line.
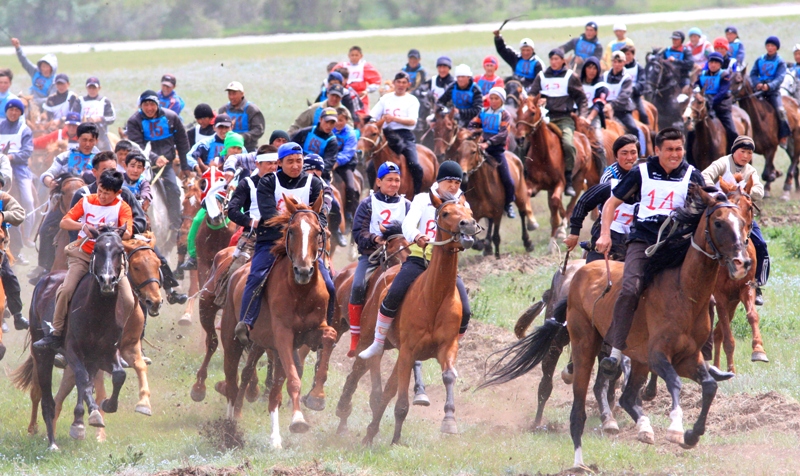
pixel 464 114
pixel 172 139
pixel 268 206
pixel 139 217
pixel 239 204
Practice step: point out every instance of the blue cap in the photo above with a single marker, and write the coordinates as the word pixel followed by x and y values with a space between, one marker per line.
pixel 72 118
pixel 715 57
pixel 289 148
pixel 444 61
pixel 387 168
pixel 695 31
pixel 337 76
pixel 15 103
pixel 774 40
pixel 313 162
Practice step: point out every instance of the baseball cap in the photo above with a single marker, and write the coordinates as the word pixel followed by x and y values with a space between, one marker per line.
pixel 618 55
pixel 413 53
pixel 620 27
pixel 715 57
pixel 388 167
pixel 222 120
pixel 678 35
pixel 169 80
pixel 328 114
pixel 235 86
pixel 62 78
pixel 270 157
pixel 336 90
pixel 731 29
pixel 592 24
pixel 289 148
pixel 72 118
pixel 444 61
pixel 526 42
pixel 313 162
pixel 93 81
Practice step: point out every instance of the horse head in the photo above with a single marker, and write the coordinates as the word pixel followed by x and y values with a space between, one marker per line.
pixel 371 139
pixel 660 76
pixel 444 131
pixel 455 219
pixel 144 272
pixel 739 193
pixel 304 238
pixel 739 86
pixel 699 112
pixel 395 246
pixel 109 261
pixel 529 116
pixel 470 155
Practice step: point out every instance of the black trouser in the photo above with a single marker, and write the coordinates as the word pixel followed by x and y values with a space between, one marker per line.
pixel 619 246
pixel 11 285
pixel 627 120
pixel 351 198
pixel 628 300
pixel 639 102
pixel 723 112
pixel 173 195
pixel 47 235
pixel 334 216
pixel 762 255
pixel 408 273
pixel 499 154
pixel 402 141
pixel 168 280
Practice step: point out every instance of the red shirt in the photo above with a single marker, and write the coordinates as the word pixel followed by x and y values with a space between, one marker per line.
pixel 42 142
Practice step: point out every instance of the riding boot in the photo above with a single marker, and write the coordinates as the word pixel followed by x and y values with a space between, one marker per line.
pixel 168 277
pixel 354 310
pixel 759 297
pixel 783 128
pixel 20 323
pixel 610 364
pixel 569 190
pixel 189 264
pixel 381 331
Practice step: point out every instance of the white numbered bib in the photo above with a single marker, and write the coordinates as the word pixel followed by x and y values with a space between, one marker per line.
pixel 356 72
pixel 555 87
pixel 92 108
pixel 97 215
pixel 384 213
pixel 660 197
pixel 301 194
pixel 624 214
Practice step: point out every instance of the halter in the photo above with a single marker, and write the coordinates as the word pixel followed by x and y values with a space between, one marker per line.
pixel 709 211
pixel 452 140
pixel 380 256
pixel 321 236
pixel 533 126
pixel 480 163
pixel 137 288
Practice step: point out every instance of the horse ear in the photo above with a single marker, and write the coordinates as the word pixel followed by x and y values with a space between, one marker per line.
pixel 379 124
pixel 725 186
pixel 451 114
pixel 435 200
pixel 92 231
pixel 317 207
pixel 121 230
pixel 290 206
pixel 749 185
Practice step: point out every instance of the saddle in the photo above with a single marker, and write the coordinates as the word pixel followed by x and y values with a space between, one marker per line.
pixel 553 127
pixel 244 251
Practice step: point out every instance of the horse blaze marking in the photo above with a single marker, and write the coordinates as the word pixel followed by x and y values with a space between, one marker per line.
pixel 306 229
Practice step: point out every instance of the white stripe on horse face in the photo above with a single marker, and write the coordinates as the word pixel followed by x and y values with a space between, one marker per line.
pixel 306 229
pixel 734 220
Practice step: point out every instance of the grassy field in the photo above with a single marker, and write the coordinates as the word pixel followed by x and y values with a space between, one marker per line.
pixel 496 437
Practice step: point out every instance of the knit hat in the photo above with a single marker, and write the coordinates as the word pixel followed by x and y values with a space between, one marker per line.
pixel 15 103
pixel 499 92
pixel 336 76
pixel 232 139
pixel 743 142
pixel 148 95
pixel 731 29
pixel 592 24
pixel 721 43
pixel 444 61
pixel 278 134
pixel 413 53
pixel 202 111
pixel 556 52
pixel 289 148
pixel 695 31
pixel 313 162
pixel 449 170
pixel 715 57
pixel 774 40
pixel 387 168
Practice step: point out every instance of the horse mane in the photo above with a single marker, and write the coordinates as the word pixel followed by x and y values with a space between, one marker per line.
pixel 672 251
pixel 395 227
pixel 282 220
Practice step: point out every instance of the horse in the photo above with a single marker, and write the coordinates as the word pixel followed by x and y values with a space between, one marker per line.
pixel 710 141
pixel 61 196
pixel 446 139
pixel 611 132
pixel 373 145
pixel 293 315
pixel 644 129
pixel 190 205
pixel 765 129
pixel 486 196
pixel 544 164
pixel 662 88
pixel 652 116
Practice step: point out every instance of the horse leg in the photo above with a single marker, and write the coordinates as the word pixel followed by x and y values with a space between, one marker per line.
pixel 247 376
pixel 718 336
pixel 748 298
pixel 663 367
pixel 208 313
pixel 315 400
pixel 496 237
pixel 64 389
pixel 44 373
pixel 274 403
pixel 284 339
pixel 36 399
pixel 549 364
pixel 651 389
pixel 526 239
pixel 556 212
pixel 696 368
pixel 379 409
pixel 487 248
pixel 420 397
pixel 132 353
pixel 728 342
pixel 100 395
pixel 631 402
pixel 405 364
pixel 345 405
pixel 269 379
pixel 604 390
pixel 583 355
pixel 230 387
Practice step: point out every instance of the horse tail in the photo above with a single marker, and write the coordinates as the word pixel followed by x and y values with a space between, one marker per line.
pixel 525 354
pixel 23 376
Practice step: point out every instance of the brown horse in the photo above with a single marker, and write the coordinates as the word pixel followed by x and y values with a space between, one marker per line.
pixel 189 207
pixel 427 322
pixel 293 315
pixel 710 142
pixel 646 131
pixel 611 132
pixel 544 164
pixel 61 197
pixel 376 148
pixel 486 196
pixel 446 139
pixel 652 116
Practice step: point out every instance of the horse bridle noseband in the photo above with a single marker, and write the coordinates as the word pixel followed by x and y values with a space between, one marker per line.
pixel 375 143
pixel 452 139
pixel 138 288
pixel 322 237
pixel 480 151
pixel 453 234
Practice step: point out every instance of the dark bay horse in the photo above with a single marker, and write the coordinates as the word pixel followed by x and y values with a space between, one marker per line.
pixel 709 142
pixel 446 139
pixel 662 88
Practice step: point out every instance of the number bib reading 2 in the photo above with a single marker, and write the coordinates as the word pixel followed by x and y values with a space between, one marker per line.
pixel 385 213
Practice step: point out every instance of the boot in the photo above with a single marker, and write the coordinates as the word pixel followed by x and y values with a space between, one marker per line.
pixel 610 364
pixel 20 323
pixel 510 210
pixel 242 333
pixel 759 297
pixel 50 341
pixel 569 190
pixel 169 277
pixel 341 240
pixel 174 297
pixel 189 265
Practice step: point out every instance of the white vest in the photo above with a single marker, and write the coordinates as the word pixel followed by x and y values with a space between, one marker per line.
pixel 427 222
pixel 384 213
pixel 356 72
pixel 633 72
pixel 92 108
pixel 198 137
pixel 60 111
pixel 97 215
pixel 14 141
pixel 300 194
pixel 589 89
pixel 555 87
pixel 614 89
pixel 255 213
pixel 623 216
pixel 660 197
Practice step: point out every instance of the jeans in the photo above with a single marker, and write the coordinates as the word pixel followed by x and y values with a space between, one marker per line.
pixel 173 195
pixel 358 292
pixel 47 236
pixel 723 113
pixel 11 286
pixel 567 126
pixel 499 154
pixel 628 300
pixel 402 141
pixel 762 255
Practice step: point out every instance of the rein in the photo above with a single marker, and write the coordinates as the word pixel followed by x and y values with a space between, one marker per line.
pixel 709 211
pixel 453 234
pixel 137 288
pixel 452 139
pixel 380 256
pixel 480 163
pixel 379 140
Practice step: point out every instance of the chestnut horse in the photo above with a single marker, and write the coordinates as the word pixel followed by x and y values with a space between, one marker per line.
pixel 486 195
pixel 189 207
pixel 710 142
pixel 61 197
pixel 611 132
pixel 292 315
pixel 376 148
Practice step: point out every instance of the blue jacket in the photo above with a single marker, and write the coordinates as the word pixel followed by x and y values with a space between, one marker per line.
pixel 348 143
pixel 768 70
pixel 172 102
pixel 715 86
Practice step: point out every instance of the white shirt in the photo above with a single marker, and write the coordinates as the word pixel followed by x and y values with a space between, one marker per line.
pixel 405 107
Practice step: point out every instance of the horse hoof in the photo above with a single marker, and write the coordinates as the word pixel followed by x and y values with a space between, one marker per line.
pixel 314 403
pixel 786 196
pixel 109 406
pixel 647 437
pixel 144 410
pixel 422 400
pixel 52 447
pixel 529 247
pixel 77 432
pixel 198 393
pixel 185 320
pixel 220 387
pixel 276 443
pixel 582 469
pixel 611 427
pixel 531 225
pixel 101 436
pixel 342 429
pixel 566 376
pixel 96 419
pixel 449 426
pixel 674 436
pixel 767 193
pixel 478 245
pixel 299 426
pixel 759 357
pixel 252 393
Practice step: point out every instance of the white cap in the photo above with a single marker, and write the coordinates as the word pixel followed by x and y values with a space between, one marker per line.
pixel 526 42
pixel 796 48
pixel 462 70
pixel 270 157
pixel 620 27
pixel 499 92
pixel 235 86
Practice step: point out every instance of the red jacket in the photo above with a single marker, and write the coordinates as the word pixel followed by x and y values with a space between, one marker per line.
pixel 42 142
pixel 361 76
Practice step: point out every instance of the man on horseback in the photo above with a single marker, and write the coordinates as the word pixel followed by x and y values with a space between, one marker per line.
pixel 11 214
pixel 98 109
pixel 659 186
pixel 620 91
pixel 206 151
pixel 163 129
pixel 246 117
pixel 204 125
pixel 419 228
pixel 17 137
pixel 637 74
pixel 331 208
pixel 310 117
pixel 42 73
pixel 399 111
pixel 766 78
pixel 596 92
pixel 464 95
pixel 734 44
pixel 362 76
pixel 493 121
pixel 62 101
pixel 135 182
pixel 103 207
pixel 729 63
pixel 681 55
pixel 346 163
pixel 443 79
pixel 525 64
pixel 699 46
pixel 167 97
pixel 620 42
pixel 563 92
pixel 319 139
pixel 416 73
pixel 584 46
pixel 489 79
pixel 289 181
pixel 738 162
pixel 714 83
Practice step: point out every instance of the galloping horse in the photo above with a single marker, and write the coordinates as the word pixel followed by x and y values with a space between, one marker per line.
pixel 662 88
pixel 61 197
pixel 485 193
pixel 446 139
pixel 375 148
pixel 709 142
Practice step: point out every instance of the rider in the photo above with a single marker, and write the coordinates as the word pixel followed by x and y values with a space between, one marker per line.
pixel 6 76
pixel 729 63
pixel 443 79
pixel 243 205
pixel 135 182
pixel 291 181
pixel 167 97
pixel 350 100
pixel 98 109
pixel 164 130
pixel 766 78
pixel 700 47
pixel 346 163
pixel 738 162
pixel 42 73
pixel 382 208
pixel 331 209
pixel 68 133
pixel 626 154
pixel 563 92
pixel 319 139
pixel 682 55
pixel 735 45
pixel 636 72
pixel 465 96
pixel 105 206
pixel 246 117
pixel 525 64
pixel 207 150
pixel 204 127
pixel 18 138
pixel 494 120
pixel 310 117
pixel 400 111
pixel 419 228
pixel 584 46
pixel 620 90
pixel 596 92
pixel 489 79
pixel 210 178
pixel 61 102
pixel 11 214
pixel 362 76
pixel 416 73
pixel 714 83
pixel 657 187
pixel 617 44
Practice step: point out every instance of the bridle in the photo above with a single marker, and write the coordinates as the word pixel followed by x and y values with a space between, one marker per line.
pixel 321 237
pixel 381 256
pixel 480 163
pixel 709 240
pixel 453 234
pixel 138 288
pixel 449 143
pixel 122 271
pixel 375 149
pixel 653 86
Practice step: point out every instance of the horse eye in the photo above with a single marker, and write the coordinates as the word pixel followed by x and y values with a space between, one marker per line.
pixel 718 224
pixel 445 214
